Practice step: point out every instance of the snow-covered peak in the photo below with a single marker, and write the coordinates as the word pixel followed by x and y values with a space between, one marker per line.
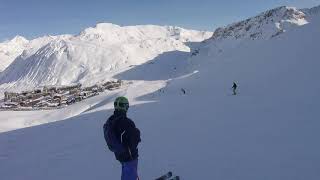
pixel 20 47
pixel 10 49
pixel 35 44
pixel 99 28
pixel 110 33
pixel 103 26
pixel 18 40
pixel 264 26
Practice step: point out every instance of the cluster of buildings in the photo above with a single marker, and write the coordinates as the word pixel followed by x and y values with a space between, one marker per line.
pixel 52 97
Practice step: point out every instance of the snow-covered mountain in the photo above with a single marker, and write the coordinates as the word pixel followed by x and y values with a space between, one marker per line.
pixel 95 54
pixel 9 50
pixel 264 26
pixel 22 48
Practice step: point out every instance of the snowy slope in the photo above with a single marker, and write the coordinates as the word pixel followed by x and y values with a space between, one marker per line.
pixel 95 54
pixel 265 26
pixel 268 131
pixel 20 47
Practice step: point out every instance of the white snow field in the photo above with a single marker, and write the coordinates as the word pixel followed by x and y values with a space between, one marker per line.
pixel 270 130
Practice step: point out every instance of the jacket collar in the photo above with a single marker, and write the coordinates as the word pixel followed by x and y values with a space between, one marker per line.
pixel 120 113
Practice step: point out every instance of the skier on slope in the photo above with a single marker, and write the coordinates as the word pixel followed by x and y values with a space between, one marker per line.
pixel 234 88
pixel 122 138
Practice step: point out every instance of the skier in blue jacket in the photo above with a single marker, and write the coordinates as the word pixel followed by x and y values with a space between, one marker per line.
pixel 128 136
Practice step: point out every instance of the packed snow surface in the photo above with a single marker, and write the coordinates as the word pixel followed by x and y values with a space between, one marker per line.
pixel 269 130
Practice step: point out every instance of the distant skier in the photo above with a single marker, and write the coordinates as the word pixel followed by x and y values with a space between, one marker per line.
pixel 234 88
pixel 122 138
pixel 183 91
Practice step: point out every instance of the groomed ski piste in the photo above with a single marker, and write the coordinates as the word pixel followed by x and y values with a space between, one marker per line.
pixel 269 130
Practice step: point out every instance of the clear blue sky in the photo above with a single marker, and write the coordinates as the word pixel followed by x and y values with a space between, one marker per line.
pixel 33 18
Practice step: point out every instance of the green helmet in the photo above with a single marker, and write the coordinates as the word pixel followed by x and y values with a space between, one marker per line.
pixel 121 103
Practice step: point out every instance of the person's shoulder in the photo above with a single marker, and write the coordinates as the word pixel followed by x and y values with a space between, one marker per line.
pixel 111 117
pixel 130 121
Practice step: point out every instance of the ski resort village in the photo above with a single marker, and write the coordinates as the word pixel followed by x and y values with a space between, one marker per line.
pixel 159 90
pixel 51 97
